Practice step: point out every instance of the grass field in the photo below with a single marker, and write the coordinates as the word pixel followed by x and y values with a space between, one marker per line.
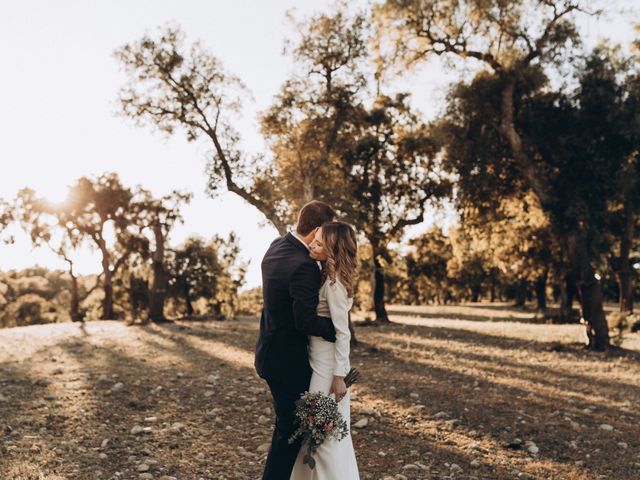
pixel 478 391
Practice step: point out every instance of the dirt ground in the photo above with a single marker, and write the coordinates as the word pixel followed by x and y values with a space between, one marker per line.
pixel 479 391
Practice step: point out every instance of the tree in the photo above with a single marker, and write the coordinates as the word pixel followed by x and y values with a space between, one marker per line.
pixel 517 241
pixel 230 276
pixel 511 39
pixel 574 151
pixel 308 119
pixel 427 266
pixel 206 270
pixel 332 138
pixel 6 218
pixel 173 88
pixel 33 295
pixel 625 207
pixel 46 224
pixel 101 210
pixel 159 216
pixel 391 175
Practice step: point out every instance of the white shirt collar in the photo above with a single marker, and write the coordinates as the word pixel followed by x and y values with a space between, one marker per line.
pixel 300 240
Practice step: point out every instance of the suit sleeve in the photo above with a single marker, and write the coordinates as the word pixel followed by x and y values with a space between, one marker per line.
pixel 339 305
pixel 304 289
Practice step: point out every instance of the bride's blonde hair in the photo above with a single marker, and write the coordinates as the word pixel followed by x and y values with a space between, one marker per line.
pixel 341 245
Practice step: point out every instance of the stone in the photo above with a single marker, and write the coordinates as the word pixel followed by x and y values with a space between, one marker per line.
pixel 176 427
pixel 531 447
pixel 264 448
pixel 525 476
pixel 143 467
pixel 363 422
pixel 606 427
pixel 441 415
pixel 136 430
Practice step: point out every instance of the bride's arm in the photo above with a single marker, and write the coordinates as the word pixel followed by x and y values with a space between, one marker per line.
pixel 339 304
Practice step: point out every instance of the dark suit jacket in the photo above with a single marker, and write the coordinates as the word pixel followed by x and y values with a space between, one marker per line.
pixel 290 288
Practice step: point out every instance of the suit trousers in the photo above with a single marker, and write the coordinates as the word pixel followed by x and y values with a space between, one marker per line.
pixel 282 455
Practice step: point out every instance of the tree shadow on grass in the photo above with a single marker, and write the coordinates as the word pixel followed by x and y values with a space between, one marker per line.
pixel 479 389
pixel 180 358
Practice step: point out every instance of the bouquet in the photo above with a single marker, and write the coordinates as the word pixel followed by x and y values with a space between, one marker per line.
pixel 318 419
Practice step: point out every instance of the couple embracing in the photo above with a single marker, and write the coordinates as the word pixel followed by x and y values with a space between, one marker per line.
pixel 308 282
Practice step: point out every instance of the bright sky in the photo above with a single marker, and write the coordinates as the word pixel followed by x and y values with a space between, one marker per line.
pixel 60 82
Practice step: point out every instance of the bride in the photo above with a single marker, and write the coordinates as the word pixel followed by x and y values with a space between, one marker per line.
pixel 335 247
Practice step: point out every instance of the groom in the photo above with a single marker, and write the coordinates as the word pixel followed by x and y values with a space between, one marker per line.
pixel 290 288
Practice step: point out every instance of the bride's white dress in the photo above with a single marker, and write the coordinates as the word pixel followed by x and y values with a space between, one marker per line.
pixel 335 460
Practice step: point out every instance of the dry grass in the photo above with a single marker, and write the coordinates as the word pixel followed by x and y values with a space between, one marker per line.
pixel 491 373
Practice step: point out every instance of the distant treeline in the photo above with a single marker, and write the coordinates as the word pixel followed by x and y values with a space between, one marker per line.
pixel 141 275
pixel 203 282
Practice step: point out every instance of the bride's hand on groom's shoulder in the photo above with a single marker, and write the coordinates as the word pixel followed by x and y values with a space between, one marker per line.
pixel 338 387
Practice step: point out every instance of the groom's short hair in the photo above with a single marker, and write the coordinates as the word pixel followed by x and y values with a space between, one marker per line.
pixel 313 215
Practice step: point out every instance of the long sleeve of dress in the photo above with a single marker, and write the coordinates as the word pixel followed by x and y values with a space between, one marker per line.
pixel 339 304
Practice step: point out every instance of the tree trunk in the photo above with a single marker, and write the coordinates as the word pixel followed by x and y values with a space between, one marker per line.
pixel 75 299
pixel 521 293
pixel 624 274
pixel 187 299
pixel 75 296
pixel 567 294
pixel 160 278
pixel 107 302
pixel 107 284
pixel 379 290
pixel 625 283
pixel 352 330
pixel 541 290
pixel 511 135
pixel 590 292
pixel 475 293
